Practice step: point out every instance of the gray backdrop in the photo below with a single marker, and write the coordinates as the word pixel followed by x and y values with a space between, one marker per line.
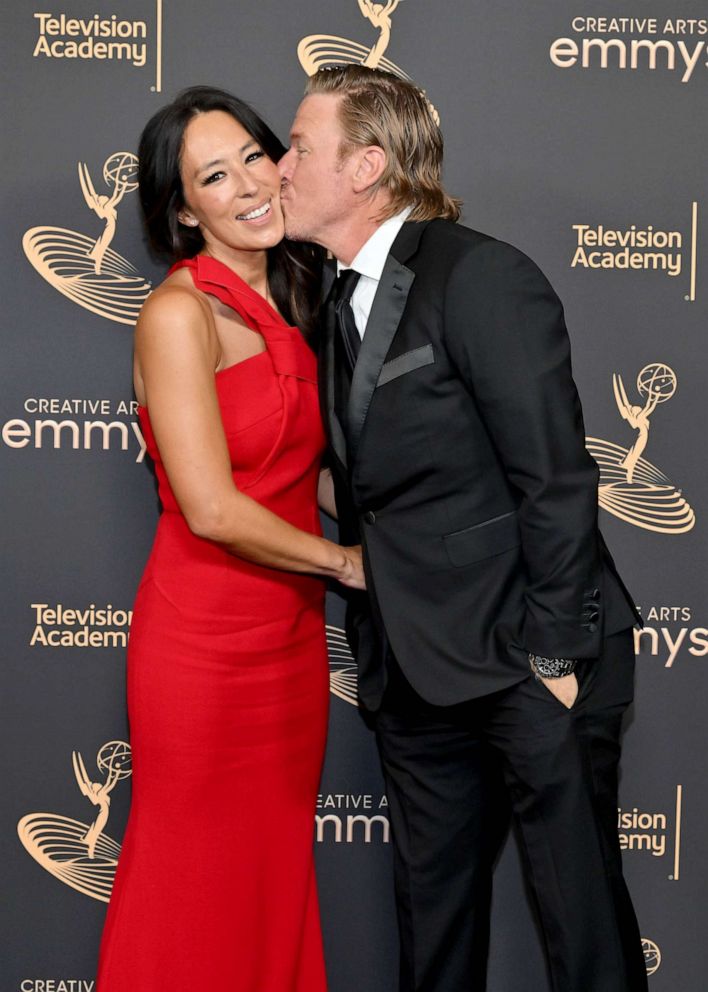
pixel 579 139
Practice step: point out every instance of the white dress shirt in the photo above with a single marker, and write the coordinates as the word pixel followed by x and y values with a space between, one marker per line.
pixel 369 263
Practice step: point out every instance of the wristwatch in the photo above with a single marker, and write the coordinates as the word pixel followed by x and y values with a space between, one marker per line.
pixel 551 668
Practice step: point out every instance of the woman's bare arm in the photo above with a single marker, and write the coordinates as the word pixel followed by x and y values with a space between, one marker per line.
pixel 176 352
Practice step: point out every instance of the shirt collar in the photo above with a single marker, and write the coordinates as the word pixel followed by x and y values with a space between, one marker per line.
pixel 371 257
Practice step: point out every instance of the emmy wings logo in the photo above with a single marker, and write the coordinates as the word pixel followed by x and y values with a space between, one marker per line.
pixel 652 955
pixel 631 488
pixel 86 269
pixel 81 854
pixel 318 51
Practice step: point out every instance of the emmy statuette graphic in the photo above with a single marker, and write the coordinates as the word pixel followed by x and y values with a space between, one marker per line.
pixel 380 16
pixel 631 488
pixel 80 854
pixel 86 270
pixel 318 51
pixel 99 794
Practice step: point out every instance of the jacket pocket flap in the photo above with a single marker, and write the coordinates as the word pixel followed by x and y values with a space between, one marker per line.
pixel 483 540
pixel 407 362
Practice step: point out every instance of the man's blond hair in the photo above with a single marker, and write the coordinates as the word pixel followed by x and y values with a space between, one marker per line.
pixel 378 108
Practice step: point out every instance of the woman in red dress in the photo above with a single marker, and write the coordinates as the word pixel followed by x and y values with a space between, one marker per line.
pixel 227 665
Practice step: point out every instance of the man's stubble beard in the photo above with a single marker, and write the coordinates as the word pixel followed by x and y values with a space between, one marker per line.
pixel 293 232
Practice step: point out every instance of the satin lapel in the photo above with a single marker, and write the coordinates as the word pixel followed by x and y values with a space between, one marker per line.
pixel 385 316
pixel 336 434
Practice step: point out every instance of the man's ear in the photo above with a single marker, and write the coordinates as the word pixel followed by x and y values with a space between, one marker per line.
pixel 369 169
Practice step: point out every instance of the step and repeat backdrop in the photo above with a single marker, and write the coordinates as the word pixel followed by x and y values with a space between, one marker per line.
pixel 577 133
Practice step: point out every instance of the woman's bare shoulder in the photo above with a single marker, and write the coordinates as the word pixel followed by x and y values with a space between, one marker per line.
pixel 176 308
pixel 174 300
pixel 175 325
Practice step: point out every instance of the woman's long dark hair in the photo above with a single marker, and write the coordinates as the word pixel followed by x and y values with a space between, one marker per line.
pixel 294 268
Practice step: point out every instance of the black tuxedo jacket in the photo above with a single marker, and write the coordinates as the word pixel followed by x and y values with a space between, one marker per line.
pixel 465 476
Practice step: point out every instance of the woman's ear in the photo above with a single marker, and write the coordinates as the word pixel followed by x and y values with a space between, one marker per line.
pixel 184 217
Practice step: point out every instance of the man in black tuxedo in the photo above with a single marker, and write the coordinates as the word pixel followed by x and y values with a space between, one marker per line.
pixel 495 637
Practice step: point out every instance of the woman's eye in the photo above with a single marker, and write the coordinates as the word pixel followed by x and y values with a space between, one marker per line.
pixel 254 156
pixel 212 178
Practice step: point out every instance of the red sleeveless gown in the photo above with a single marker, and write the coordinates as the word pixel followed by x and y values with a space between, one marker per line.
pixel 228 699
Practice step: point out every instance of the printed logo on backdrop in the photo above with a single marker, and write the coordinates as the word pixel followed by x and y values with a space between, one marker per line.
pixel 603 248
pixel 668 635
pixel 110 37
pixel 676 45
pixel 80 854
pixel 318 51
pixel 351 818
pixel 80 424
pixel 87 269
pixel 342 666
pixel 57 985
pixel 654 835
pixel 631 488
pixel 343 817
pixel 59 626
pixel 652 956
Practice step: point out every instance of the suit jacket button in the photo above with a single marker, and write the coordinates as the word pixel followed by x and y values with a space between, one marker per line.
pixel 591 627
pixel 370 517
pixel 594 594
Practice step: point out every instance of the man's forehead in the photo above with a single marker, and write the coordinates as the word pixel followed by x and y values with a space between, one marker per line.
pixel 317 113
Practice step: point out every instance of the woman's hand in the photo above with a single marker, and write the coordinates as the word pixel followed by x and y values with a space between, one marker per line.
pixel 352 575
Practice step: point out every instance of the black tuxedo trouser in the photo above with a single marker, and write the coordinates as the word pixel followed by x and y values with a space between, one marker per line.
pixel 450 775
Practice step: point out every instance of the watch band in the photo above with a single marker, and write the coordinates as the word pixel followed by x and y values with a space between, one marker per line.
pixel 551 668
